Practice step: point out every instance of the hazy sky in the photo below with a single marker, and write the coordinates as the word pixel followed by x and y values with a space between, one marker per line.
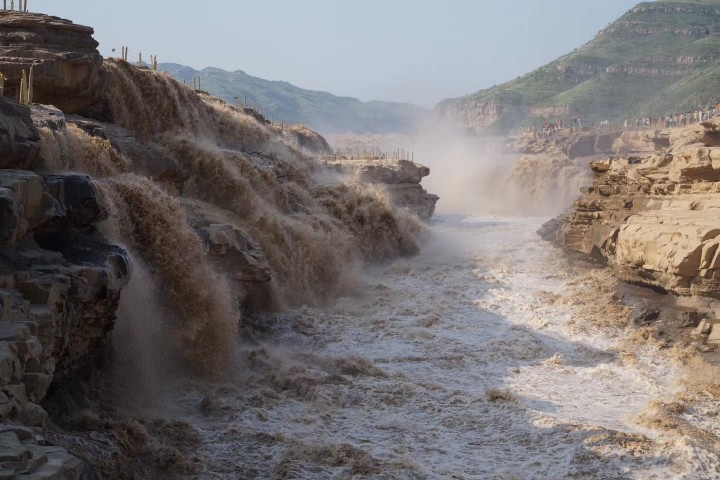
pixel 418 51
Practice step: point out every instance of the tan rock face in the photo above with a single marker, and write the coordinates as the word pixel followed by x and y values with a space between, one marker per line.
pixel 401 179
pixel 67 65
pixel 655 218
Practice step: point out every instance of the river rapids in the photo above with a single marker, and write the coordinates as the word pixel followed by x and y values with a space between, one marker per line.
pixel 488 356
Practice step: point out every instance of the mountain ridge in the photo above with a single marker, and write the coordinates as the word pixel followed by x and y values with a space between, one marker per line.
pixel 659 57
pixel 320 110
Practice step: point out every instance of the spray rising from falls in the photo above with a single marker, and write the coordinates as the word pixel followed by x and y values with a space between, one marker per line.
pixel 488 176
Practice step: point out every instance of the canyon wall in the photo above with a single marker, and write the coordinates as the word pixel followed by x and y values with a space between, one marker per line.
pixel 60 283
pixel 653 217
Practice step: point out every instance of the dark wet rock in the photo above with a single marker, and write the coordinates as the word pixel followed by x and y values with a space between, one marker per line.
pixel 551 231
pixel 60 284
pixel 19 139
pixel 645 316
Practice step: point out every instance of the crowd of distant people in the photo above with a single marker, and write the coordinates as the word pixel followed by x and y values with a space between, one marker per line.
pixel 681 119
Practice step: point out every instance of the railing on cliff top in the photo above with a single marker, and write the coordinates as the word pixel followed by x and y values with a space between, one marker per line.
pixel 647 123
pixel 22 6
pixel 399 156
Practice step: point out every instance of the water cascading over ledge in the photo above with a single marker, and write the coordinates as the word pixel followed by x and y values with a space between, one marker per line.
pixel 222 211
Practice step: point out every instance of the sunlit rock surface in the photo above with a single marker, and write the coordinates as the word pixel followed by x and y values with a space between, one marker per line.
pixel 654 217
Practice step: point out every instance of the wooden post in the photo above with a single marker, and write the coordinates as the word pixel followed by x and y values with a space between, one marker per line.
pixel 23 88
pixel 30 85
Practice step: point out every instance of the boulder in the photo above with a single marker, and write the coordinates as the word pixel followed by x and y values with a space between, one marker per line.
pixel 238 255
pixel 25 455
pixel 77 199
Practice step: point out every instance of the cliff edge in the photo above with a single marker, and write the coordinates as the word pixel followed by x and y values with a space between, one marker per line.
pixel 653 217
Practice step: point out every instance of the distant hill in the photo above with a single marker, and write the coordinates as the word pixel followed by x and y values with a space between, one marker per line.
pixel 660 57
pixel 320 111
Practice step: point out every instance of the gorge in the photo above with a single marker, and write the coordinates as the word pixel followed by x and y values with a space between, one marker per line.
pixel 189 290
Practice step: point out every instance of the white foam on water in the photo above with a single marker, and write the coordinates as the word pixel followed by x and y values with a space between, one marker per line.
pixel 451 365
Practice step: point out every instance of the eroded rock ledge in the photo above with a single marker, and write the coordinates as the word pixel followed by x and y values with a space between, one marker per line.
pixel 654 217
pixel 68 67
pixel 401 179
pixel 60 284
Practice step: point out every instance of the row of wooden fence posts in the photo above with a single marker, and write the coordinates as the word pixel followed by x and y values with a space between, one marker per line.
pixel 22 5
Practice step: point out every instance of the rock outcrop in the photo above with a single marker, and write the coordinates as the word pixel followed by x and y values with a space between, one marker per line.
pixel 60 284
pixel 401 179
pixel 653 217
pixel 307 140
pixel 67 66
pixel 19 140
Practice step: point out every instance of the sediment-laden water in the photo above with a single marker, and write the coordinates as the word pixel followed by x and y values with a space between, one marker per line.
pixel 487 356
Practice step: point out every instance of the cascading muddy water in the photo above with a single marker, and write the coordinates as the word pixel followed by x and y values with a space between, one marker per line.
pixel 435 362
pixel 226 167
pixel 70 148
pixel 172 165
pixel 244 174
pixel 549 184
pixel 152 223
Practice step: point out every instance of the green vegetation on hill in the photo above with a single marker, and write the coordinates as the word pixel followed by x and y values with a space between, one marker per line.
pixel 660 57
pixel 320 111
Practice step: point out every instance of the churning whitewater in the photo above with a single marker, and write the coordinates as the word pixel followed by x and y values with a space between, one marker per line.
pixel 480 358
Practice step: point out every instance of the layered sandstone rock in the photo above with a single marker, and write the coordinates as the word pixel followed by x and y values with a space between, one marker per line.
pixel 401 179
pixel 67 66
pixel 585 144
pixel 60 284
pixel 654 218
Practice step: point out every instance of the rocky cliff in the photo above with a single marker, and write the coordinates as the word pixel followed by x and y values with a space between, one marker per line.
pixel 652 217
pixel 60 283
pixel 67 65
